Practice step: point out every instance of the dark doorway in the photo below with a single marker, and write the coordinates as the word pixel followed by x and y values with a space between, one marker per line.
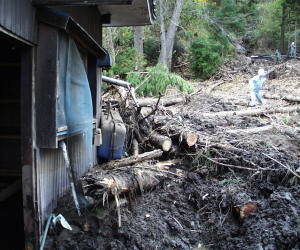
pixel 11 205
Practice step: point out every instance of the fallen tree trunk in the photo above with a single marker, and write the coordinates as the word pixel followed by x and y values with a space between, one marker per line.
pixel 283 97
pixel 251 130
pixel 120 182
pixel 288 131
pixel 131 160
pixel 135 178
pixel 161 141
pixel 103 186
pixel 146 102
pixel 250 112
pixel 227 147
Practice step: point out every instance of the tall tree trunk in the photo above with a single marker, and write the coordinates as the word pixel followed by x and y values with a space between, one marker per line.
pixel 283 21
pixel 172 31
pixel 108 42
pixel 167 39
pixel 138 46
pixel 295 36
pixel 163 47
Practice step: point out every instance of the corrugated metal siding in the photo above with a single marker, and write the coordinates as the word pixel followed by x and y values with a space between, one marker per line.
pixel 51 173
pixel 18 16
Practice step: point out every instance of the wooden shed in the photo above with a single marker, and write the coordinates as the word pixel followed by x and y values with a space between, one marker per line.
pixel 50 92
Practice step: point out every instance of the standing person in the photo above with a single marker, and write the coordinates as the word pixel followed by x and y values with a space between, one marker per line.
pixel 256 84
pixel 292 50
pixel 277 56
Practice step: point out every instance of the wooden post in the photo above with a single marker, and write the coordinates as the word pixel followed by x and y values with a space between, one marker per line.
pixel 31 226
pixel 94 77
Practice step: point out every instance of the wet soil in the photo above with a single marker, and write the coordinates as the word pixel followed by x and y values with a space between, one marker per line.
pixel 194 212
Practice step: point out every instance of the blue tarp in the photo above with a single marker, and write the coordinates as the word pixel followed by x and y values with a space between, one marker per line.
pixel 74 101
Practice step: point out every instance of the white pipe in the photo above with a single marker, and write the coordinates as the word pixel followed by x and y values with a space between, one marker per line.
pixel 116 82
pixel 63 146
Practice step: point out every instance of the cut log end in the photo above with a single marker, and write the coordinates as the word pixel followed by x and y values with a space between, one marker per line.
pixel 161 141
pixel 191 139
pixel 166 145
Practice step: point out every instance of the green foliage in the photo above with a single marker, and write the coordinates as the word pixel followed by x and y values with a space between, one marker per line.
pixel 157 80
pixel 151 50
pixel 267 33
pixel 206 56
pixel 269 23
pixel 125 62
pixel 229 14
pixel 287 120
pixel 124 37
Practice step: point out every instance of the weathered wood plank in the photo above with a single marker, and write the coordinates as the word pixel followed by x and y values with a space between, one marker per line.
pixel 46 87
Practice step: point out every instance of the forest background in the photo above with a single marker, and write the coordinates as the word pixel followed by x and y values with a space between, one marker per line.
pixel 191 39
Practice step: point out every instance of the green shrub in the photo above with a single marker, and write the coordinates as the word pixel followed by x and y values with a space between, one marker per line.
pixel 206 56
pixel 157 80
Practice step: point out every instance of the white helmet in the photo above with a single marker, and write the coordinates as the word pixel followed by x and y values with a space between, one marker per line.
pixel 261 72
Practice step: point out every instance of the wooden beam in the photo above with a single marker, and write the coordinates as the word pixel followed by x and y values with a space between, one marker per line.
pixel 81 2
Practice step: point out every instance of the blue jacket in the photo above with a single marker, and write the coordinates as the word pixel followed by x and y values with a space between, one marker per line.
pixel 256 83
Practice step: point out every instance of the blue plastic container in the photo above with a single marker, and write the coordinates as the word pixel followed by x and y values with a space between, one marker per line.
pixel 113 136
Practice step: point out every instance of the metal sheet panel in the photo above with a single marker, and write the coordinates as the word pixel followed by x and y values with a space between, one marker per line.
pixel 18 17
pixel 52 177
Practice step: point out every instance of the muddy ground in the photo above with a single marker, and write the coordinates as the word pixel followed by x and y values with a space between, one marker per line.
pixel 201 209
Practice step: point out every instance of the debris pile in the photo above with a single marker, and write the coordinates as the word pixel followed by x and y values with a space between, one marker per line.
pixel 290 68
pixel 205 172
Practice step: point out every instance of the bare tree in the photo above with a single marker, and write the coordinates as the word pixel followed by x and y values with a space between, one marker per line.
pixel 138 45
pixel 163 46
pixel 283 23
pixel 167 38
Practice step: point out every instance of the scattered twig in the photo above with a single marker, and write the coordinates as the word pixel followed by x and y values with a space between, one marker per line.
pixel 286 167
pixel 234 166
pixel 153 110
